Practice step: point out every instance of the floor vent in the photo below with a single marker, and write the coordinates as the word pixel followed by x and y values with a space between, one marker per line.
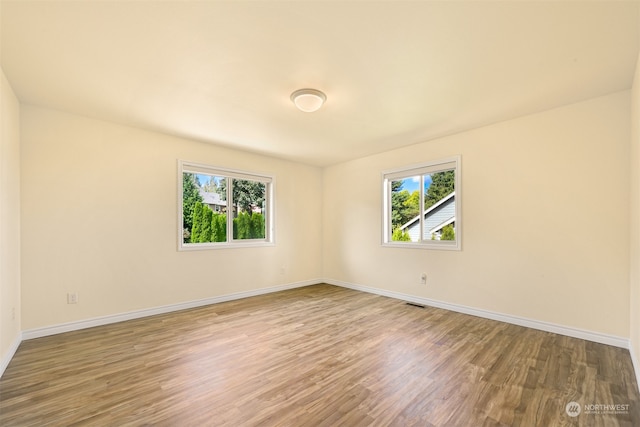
pixel 415 305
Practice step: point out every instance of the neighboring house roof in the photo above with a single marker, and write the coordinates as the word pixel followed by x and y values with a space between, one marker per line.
pixel 211 198
pixel 431 210
pixel 435 218
pixel 443 224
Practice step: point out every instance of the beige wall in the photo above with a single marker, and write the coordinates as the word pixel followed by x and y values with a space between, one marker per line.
pixel 635 219
pixel 546 223
pixel 9 217
pixel 545 216
pixel 100 215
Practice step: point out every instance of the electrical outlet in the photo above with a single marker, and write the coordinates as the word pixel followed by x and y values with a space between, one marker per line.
pixel 72 298
pixel 423 279
pixel 13 313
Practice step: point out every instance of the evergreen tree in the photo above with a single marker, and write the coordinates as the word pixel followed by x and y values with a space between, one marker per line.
pixel 412 206
pixel 211 186
pixel 398 208
pixel 443 184
pixel 202 231
pixel 206 234
pixel 246 194
pixel 242 226
pixel 196 230
pixel 219 228
pixel 448 233
pixel 257 226
pixel 400 235
pixel 190 196
pixel 404 206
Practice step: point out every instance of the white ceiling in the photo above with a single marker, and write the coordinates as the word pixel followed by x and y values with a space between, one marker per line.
pixel 395 73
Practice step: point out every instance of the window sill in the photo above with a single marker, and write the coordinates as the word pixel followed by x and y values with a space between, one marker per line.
pixel 216 246
pixel 440 246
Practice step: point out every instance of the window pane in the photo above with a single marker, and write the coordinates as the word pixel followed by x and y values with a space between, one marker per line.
pixel 249 209
pixel 439 206
pixel 405 209
pixel 421 205
pixel 223 208
pixel 204 208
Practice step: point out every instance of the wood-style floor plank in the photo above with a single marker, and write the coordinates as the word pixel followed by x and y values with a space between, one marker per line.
pixel 315 356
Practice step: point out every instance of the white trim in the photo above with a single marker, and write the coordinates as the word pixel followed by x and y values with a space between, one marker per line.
pixel 6 359
pixel 121 317
pixel 442 245
pixel 204 169
pixel 423 168
pixel 432 207
pixel 507 318
pixel 268 180
pixel 516 320
pixel 455 163
pixel 246 243
pixel 443 225
pixel 386 234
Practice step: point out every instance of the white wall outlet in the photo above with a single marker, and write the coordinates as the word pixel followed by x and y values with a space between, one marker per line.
pixel 423 279
pixel 72 298
pixel 13 313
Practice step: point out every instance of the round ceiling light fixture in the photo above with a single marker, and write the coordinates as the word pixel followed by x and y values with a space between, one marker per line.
pixel 308 100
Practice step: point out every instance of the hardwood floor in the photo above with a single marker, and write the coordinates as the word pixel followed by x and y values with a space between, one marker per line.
pixel 316 356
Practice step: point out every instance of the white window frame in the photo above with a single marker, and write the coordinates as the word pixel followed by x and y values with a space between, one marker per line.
pixel 422 169
pixel 267 179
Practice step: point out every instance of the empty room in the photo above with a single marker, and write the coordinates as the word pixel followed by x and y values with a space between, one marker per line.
pixel 319 213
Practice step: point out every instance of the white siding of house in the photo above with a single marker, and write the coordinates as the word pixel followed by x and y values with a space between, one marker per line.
pixel 433 218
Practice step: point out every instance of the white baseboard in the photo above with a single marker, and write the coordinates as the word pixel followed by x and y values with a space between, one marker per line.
pixel 6 358
pixel 521 321
pixel 120 317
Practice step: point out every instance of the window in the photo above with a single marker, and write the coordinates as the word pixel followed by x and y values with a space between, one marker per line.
pixel 223 208
pixel 422 205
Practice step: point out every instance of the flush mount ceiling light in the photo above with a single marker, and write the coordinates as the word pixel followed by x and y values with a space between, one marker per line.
pixel 308 100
